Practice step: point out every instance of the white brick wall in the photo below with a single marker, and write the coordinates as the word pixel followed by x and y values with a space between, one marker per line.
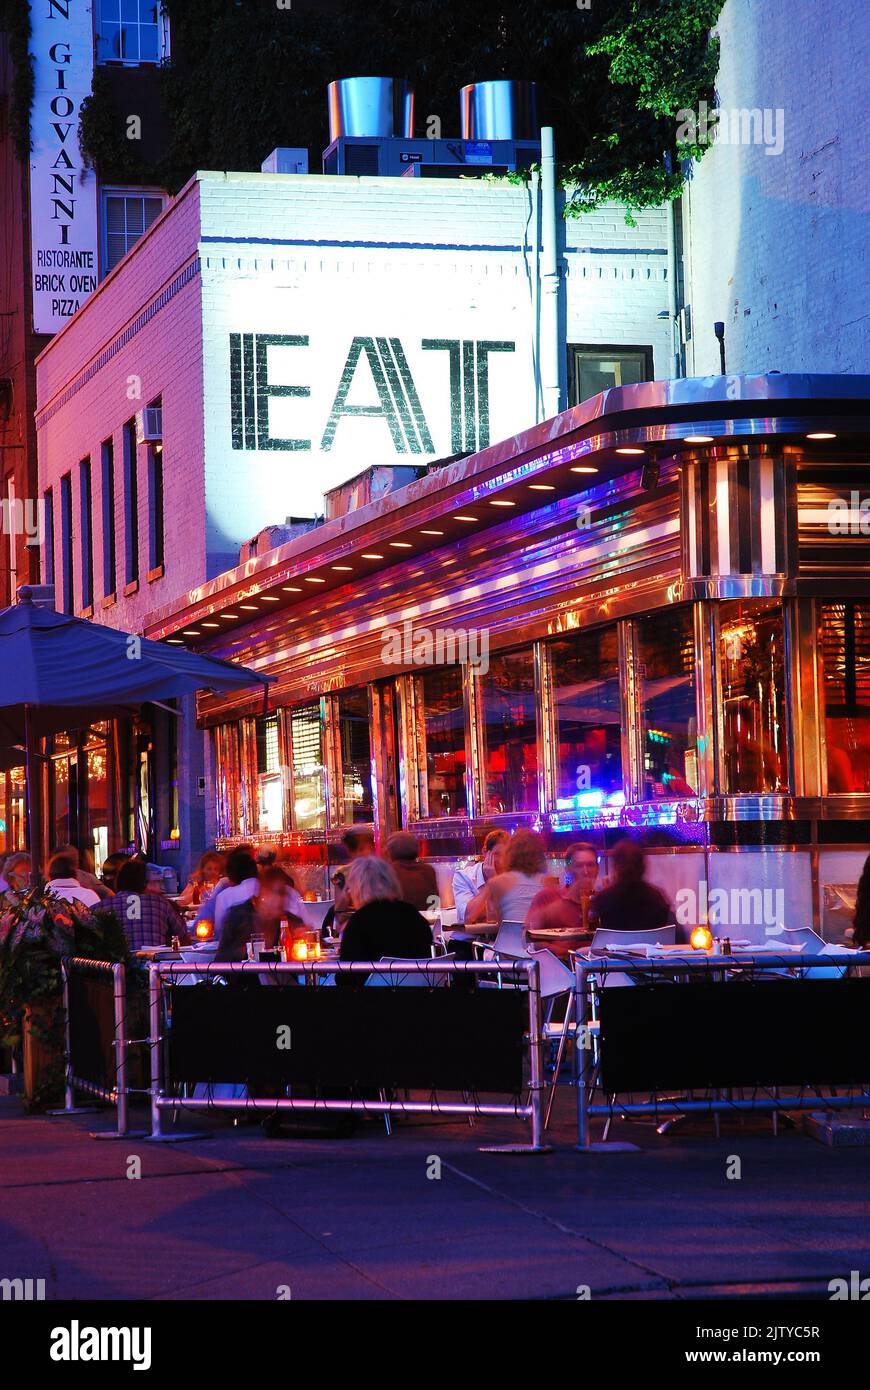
pixel 778 244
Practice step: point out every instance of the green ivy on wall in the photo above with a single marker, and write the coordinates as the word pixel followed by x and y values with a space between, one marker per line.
pixel 15 23
pixel 247 76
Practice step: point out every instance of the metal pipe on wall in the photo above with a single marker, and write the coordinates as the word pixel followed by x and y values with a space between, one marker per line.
pixel 551 388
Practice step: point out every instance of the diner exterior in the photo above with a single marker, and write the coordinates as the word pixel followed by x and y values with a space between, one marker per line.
pixel 650 615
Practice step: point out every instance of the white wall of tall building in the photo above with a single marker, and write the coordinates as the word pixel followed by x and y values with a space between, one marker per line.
pixel 778 244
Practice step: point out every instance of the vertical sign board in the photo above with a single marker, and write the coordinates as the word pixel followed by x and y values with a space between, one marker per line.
pixel 63 193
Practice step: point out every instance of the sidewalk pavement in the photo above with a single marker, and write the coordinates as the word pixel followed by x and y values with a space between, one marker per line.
pixel 241 1215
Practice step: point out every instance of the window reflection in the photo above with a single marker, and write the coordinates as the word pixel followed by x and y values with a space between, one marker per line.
pixel 356 757
pixel 585 675
pixel 752 663
pixel 844 646
pixel 444 726
pixel 309 774
pixel 668 715
pixel 270 782
pixel 510 733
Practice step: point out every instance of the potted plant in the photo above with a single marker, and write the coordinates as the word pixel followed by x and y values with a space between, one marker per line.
pixel 36 932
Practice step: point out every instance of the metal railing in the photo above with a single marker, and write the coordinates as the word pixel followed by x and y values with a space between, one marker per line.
pixel 116 1094
pixel 587 968
pixel 525 974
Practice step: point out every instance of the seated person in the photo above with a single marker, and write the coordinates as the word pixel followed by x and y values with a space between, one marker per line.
pixel 568 908
pixel 63 883
pixel 418 880
pixel 628 902
pixel 470 879
pixel 260 915
pixel 148 919
pixel 381 924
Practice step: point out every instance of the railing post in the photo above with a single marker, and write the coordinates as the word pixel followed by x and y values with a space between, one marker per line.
pixel 119 977
pixel 582 1053
pixel 69 1101
pixel 156 1041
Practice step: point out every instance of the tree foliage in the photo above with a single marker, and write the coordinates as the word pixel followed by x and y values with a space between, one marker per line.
pixel 250 76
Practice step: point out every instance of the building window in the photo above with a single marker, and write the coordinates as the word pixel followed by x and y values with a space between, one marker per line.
pixel 309 773
pixel 585 679
pixel 131 505
pixel 155 506
pixel 443 706
pixel 48 559
pixel 86 537
pixel 666 697
pixel 594 369
pixel 131 31
pixel 510 733
pixel 356 756
pixel 125 216
pixel 844 646
pixel 752 666
pixel 66 542
pixel 107 461
pixel 270 782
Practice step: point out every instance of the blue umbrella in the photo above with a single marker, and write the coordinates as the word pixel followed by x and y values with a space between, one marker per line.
pixel 58 672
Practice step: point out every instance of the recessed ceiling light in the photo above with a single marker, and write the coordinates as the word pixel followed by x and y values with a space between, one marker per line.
pixel 541 487
pixel 587 467
pixel 314 579
pixel 370 555
pixel 821 434
pixel 211 624
pixel 248 607
pixel 505 503
pixel 631 451
pixel 191 631
pixel 291 588
pixel 347 569
pixel 465 518
pixel 698 439
pixel 401 545
pixel 431 533
pixel 226 617
pixel 174 642
pixel 272 598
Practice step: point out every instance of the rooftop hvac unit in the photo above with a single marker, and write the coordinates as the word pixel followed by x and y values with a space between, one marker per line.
pixel 286 160
pixel 149 424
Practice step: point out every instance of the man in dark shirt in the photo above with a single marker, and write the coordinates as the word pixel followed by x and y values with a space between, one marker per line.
pixel 148 919
pixel 629 903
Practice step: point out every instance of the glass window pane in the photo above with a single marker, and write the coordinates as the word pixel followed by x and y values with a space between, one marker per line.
pixel 135 226
pixel 510 735
pixel 152 208
pixel 130 11
pixel 844 648
pixel 444 724
pixel 110 10
pixel 599 371
pixel 356 756
pixel 751 655
pixel 666 688
pixel 309 791
pixel 585 670
pixel 148 48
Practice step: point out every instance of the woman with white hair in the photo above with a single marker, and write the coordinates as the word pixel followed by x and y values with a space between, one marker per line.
pixel 380 924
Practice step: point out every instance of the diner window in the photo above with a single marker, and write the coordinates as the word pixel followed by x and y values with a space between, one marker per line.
pixel 356 756
pixel 132 32
pixel 270 782
pixel 443 707
pixel 666 697
pixel 86 538
pixel 155 507
pixel 97 761
pixel 126 215
pixel 107 463
pixel 510 733
pixel 66 542
pixel 309 773
pixel 48 543
pixel 585 681
pixel 227 762
pixel 844 646
pixel 131 505
pixel 752 665
pixel 594 369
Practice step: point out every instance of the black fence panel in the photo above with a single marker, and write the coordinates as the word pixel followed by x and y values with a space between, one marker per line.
pixel 765 1032
pixel 429 1039
pixel 92 1027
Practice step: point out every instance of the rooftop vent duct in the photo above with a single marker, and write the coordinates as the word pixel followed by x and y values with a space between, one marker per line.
pixel 499 111
pixel 370 108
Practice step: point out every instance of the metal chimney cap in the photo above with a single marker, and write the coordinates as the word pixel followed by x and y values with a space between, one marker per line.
pixel 370 108
pixel 499 110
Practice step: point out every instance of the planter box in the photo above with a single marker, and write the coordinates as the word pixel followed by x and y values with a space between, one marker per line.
pixel 41 1060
